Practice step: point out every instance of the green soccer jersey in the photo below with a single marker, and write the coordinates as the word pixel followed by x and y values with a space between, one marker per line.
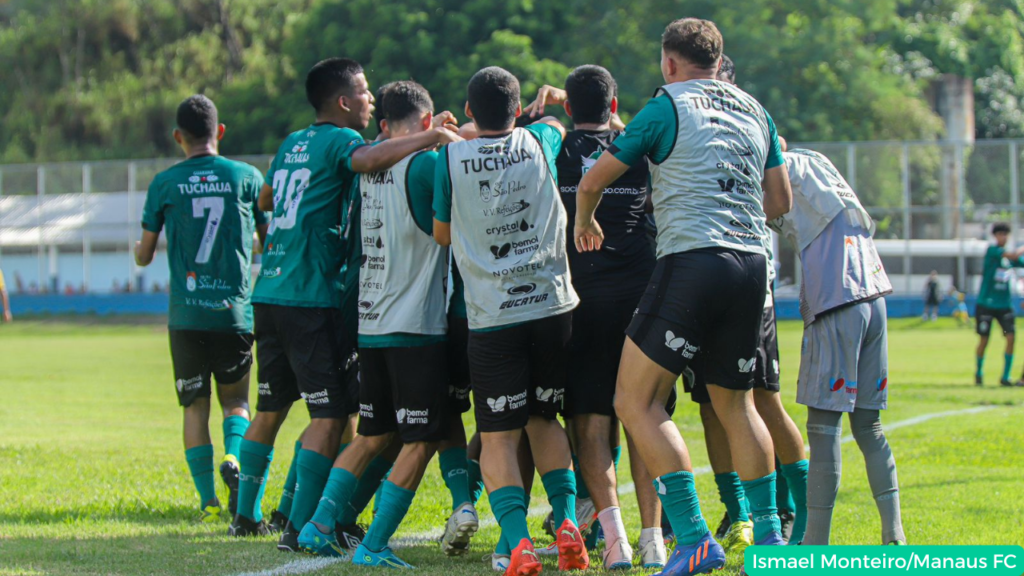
pixel 208 205
pixel 311 176
pixel 995 279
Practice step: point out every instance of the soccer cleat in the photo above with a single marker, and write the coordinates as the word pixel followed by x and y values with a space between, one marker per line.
pixel 1005 383
pixel 977 380
pixel 363 556
pixel 786 519
pixel 723 527
pixel 653 554
pixel 704 556
pixel 461 526
pixel 211 512
pixel 320 541
pixel 572 553
pixel 289 540
pixel 549 524
pixel 523 561
pixel 617 555
pixel 549 550
pixel 243 527
pixel 738 537
pixel 773 539
pixel 499 562
pixel 586 515
pixel 278 521
pixel 350 536
pixel 229 474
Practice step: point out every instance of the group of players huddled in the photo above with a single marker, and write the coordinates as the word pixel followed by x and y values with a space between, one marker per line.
pixel 403 276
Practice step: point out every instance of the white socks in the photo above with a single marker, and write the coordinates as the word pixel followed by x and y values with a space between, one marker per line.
pixel 611 523
pixel 649 534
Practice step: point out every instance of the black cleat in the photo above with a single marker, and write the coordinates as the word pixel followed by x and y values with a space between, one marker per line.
pixel 229 474
pixel 549 524
pixel 1005 383
pixel 786 518
pixel 350 536
pixel 723 528
pixel 289 540
pixel 977 380
pixel 278 521
pixel 243 527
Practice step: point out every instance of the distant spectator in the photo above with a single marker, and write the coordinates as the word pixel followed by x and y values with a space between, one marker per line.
pixel 69 289
pixel 4 299
pixel 932 297
pixel 19 286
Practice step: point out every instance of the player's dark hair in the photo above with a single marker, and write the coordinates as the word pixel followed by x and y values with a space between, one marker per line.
pixel 328 79
pixel 696 41
pixel 1000 227
pixel 727 72
pixel 197 118
pixel 493 97
pixel 378 111
pixel 403 100
pixel 591 90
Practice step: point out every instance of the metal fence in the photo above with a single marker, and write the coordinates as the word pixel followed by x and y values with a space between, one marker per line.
pixel 71 226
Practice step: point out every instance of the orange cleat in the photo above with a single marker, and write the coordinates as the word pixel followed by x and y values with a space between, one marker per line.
pixel 524 561
pixel 572 553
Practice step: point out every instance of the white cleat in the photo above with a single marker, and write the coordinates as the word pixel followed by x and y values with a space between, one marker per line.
pixel 586 515
pixel 499 562
pixel 549 550
pixel 461 526
pixel 653 554
pixel 618 555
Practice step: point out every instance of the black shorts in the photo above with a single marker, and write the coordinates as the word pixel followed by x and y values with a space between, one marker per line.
pixel 598 332
pixel 304 353
pixel 706 301
pixel 984 316
pixel 458 365
pixel 766 367
pixel 198 354
pixel 519 372
pixel 404 390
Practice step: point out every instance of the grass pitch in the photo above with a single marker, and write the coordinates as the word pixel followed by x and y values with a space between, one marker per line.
pixel 93 479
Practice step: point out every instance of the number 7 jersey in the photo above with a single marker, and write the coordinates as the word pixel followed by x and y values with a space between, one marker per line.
pixel 311 176
pixel 208 205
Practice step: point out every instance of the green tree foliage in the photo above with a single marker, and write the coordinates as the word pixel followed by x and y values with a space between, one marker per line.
pixel 100 78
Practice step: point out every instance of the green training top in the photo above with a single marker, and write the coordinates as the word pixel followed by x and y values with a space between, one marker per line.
pixel 421 196
pixel 995 279
pixel 208 204
pixel 303 260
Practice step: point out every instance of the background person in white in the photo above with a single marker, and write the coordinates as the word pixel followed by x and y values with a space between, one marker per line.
pixel 717 170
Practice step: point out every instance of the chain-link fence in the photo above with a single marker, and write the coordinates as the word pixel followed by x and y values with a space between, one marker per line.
pixel 70 227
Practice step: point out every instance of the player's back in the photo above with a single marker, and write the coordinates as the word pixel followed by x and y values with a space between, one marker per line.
pixel 305 251
pixel 208 206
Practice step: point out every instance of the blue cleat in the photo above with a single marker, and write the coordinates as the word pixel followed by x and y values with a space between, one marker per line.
pixel 773 539
pixel 704 556
pixel 314 540
pixel 383 559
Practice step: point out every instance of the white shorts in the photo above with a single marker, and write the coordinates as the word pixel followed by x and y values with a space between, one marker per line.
pixel 845 360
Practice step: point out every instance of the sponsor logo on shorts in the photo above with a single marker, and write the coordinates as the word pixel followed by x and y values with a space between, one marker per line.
pixel 983 326
pixel 836 384
pixel 458 393
pixel 883 383
pixel 189 384
pixel 550 394
pixel 409 416
pixel 676 343
pixel 317 398
pixel 775 366
pixel 263 388
pixel 746 365
pixel 512 402
pixel 366 410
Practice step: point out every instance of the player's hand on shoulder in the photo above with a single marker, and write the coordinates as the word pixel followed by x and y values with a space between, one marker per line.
pixel 446 134
pixel 444 118
pixel 546 96
pixel 588 236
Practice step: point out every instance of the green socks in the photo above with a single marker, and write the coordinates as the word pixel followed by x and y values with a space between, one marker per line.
pixel 509 507
pixel 678 495
pixel 796 477
pixel 561 488
pixel 1007 365
pixel 310 480
pixel 761 494
pixel 340 485
pixel 288 493
pixel 200 464
pixel 980 360
pixel 369 482
pixel 581 486
pixel 234 429
pixel 730 492
pixel 454 465
pixel 783 499
pixel 616 455
pixel 254 460
pixel 476 481
pixel 393 508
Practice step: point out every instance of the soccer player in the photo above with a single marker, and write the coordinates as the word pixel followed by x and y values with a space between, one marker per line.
pixel 496 202
pixel 994 300
pixel 208 204
pixel 610 283
pixel 844 364
pixel 402 341
pixel 303 346
pixel 932 298
pixel 718 172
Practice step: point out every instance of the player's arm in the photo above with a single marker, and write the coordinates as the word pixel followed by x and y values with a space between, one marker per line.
pixel 442 202
pixel 5 300
pixel 588 234
pixel 386 154
pixel 778 195
pixel 145 249
pixel 443 233
pixel 266 199
pixel 546 96
pixel 554 123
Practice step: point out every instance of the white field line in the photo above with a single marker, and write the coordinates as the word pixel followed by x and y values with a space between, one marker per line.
pixel 306 565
